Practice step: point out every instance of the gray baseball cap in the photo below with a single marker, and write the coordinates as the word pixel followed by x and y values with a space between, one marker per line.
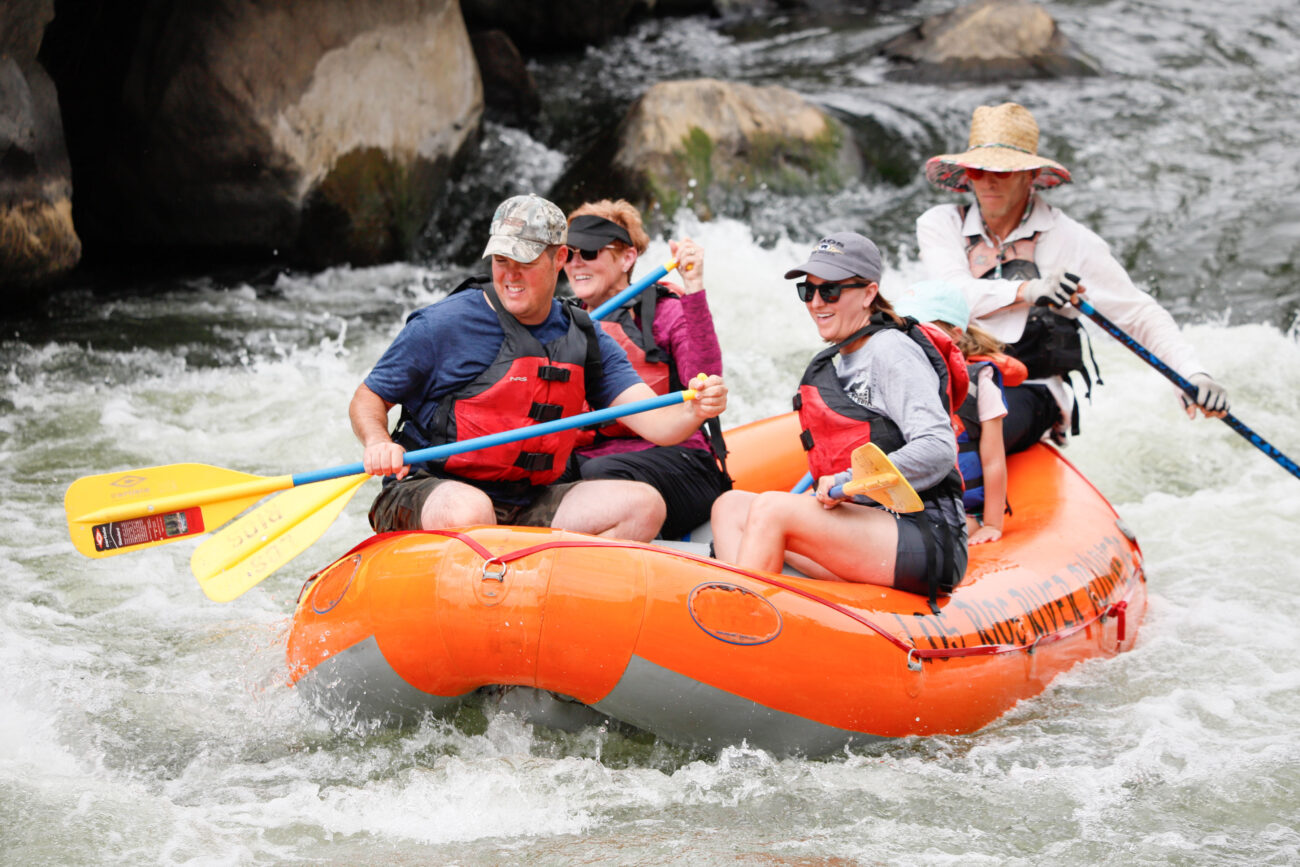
pixel 523 227
pixel 841 256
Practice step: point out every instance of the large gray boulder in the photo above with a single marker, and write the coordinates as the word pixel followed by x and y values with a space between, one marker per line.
pixel 321 129
pixel 38 242
pixel 988 40
pixel 696 143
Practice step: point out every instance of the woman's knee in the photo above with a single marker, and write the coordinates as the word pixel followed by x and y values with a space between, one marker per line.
pixel 768 509
pixel 731 507
pixel 649 501
pixel 601 506
pixel 644 513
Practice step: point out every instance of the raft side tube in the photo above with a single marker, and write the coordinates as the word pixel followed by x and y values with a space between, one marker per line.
pixel 593 614
pixel 766 455
pixel 333 612
pixel 689 713
pixel 358 684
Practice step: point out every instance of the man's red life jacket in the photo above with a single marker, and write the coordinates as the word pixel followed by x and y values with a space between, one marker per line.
pixel 527 383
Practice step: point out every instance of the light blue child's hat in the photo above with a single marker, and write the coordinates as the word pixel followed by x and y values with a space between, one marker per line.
pixel 931 300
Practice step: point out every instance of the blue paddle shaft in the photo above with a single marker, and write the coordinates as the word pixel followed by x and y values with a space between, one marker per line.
pixel 434 453
pixel 1173 376
pixel 630 292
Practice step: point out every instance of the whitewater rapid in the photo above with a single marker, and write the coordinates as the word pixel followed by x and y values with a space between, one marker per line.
pixel 143 723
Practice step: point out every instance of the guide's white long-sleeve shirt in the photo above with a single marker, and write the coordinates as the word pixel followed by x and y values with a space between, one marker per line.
pixel 941 235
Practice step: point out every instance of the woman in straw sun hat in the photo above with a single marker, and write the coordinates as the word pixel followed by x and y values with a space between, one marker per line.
pixel 1019 261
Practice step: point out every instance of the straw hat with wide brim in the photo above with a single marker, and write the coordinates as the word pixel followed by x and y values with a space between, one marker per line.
pixel 1003 138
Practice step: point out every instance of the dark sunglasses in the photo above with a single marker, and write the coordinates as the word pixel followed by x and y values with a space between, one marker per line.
pixel 830 292
pixel 590 255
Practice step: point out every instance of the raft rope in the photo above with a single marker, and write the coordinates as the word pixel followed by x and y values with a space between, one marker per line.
pixel 915 654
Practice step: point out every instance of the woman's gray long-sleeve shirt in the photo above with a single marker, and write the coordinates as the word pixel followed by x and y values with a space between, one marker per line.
pixel 890 375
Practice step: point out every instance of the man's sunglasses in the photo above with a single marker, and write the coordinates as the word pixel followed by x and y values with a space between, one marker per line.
pixel 830 292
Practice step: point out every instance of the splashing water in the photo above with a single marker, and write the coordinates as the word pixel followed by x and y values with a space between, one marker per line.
pixel 143 724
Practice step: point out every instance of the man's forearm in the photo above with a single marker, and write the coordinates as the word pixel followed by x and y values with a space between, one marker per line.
pixel 368 413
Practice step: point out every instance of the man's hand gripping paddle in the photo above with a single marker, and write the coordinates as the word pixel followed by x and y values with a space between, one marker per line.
pixel 235 560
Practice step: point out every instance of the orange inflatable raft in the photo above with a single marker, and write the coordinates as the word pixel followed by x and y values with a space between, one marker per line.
pixel 579 629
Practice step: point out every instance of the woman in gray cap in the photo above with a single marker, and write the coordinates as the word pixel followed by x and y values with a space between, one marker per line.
pixel 883 380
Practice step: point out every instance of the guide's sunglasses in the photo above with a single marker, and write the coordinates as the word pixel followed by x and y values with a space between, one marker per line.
pixel 830 292
pixel 980 174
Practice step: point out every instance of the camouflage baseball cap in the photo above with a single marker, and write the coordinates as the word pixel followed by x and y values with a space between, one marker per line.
pixel 524 226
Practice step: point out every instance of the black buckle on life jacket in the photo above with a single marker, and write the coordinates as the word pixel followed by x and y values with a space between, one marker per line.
pixel 545 411
pixel 553 373
pixel 798 401
pixel 535 462
pixel 807 439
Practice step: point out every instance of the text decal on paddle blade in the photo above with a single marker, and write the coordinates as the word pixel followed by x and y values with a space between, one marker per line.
pixel 151 528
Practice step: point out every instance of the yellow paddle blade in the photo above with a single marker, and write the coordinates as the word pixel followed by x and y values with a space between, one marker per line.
pixel 876 476
pixel 113 513
pixel 236 560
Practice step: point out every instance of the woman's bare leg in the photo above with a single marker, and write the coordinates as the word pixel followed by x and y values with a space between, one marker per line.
pixel 851 542
pixel 728 522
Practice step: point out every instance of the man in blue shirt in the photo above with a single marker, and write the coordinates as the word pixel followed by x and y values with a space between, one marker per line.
pixel 499 356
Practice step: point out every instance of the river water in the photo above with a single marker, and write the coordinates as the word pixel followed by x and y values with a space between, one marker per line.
pixel 141 723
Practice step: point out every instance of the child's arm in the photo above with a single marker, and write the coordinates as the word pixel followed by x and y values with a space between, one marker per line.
pixel 993 461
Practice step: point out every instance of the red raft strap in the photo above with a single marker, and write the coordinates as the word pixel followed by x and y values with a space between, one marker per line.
pixel 1119 611
pixel 1116 609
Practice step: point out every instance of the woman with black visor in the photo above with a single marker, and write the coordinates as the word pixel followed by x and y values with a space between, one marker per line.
pixel 669 337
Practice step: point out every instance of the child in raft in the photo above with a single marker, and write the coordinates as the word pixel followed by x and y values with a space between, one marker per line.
pixel 981 453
